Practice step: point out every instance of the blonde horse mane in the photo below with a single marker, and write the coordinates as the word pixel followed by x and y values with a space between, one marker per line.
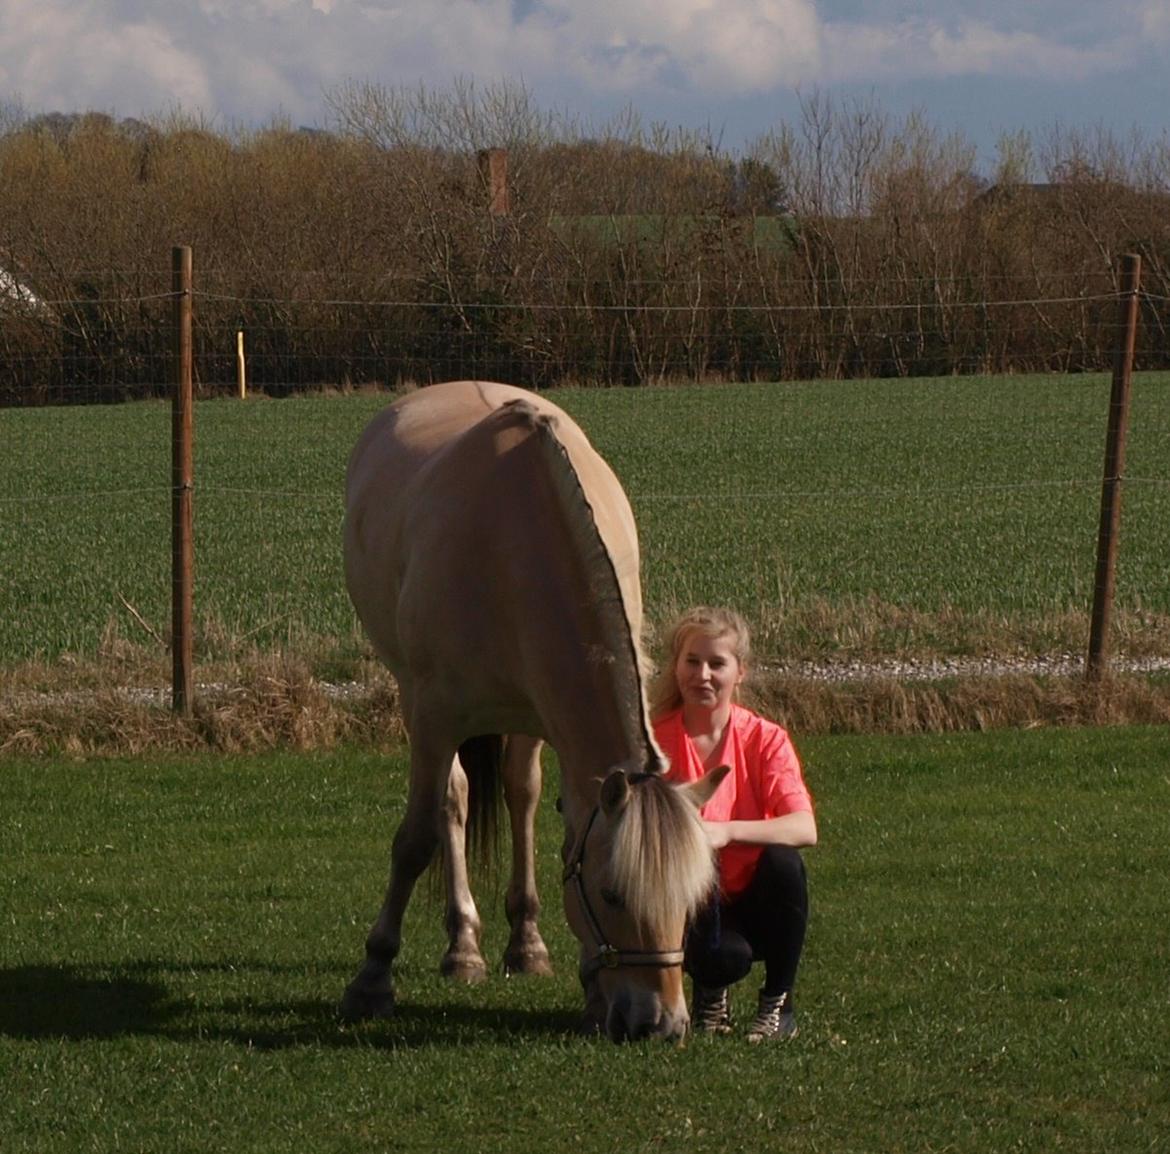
pixel 605 591
pixel 661 863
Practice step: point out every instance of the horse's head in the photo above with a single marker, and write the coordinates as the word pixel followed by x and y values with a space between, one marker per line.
pixel 634 872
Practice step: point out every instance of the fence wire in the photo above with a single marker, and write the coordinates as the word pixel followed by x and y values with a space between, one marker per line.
pixel 113 342
pixel 897 509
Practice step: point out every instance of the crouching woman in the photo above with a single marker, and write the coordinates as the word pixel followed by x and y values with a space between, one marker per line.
pixel 758 821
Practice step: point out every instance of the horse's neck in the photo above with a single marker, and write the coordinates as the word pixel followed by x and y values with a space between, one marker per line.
pixel 586 759
pixel 593 713
pixel 593 702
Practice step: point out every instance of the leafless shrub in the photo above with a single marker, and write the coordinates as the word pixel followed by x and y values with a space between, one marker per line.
pixel 850 242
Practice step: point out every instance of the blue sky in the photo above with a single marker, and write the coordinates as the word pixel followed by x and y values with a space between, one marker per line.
pixel 733 67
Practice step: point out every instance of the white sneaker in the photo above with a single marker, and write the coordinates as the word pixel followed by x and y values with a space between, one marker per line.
pixel 774 1020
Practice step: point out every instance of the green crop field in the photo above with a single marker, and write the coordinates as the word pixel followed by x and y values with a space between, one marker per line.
pixel 985 969
pixel 955 514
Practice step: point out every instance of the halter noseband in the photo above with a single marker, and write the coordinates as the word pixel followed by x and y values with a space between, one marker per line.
pixel 604 955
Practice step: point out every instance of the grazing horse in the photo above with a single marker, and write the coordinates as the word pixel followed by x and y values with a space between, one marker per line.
pixel 492 558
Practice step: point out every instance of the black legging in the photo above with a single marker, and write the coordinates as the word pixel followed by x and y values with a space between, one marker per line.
pixel 765 923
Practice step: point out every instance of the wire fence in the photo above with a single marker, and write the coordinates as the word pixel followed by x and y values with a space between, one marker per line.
pixel 947 501
pixel 112 343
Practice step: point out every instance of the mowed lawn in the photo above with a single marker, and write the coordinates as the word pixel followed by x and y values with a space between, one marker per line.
pixel 963 512
pixel 986 967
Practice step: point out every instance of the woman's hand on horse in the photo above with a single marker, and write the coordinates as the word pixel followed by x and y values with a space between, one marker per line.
pixel 718 833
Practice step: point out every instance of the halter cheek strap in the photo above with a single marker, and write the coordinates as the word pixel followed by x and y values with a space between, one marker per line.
pixel 606 956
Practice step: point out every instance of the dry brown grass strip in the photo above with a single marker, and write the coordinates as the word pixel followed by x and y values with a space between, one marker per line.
pixel 975 703
pixel 275 702
pixel 271 703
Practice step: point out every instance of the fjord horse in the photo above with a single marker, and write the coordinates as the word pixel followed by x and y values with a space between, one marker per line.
pixel 492 558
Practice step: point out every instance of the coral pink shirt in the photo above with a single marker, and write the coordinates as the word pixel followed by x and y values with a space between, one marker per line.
pixel 765 781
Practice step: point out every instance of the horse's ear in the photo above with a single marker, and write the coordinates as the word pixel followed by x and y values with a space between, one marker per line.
pixel 700 792
pixel 615 792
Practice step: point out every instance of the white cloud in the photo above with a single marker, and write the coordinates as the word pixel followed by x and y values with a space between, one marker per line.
pixel 717 45
pixel 929 49
pixel 256 56
pixel 252 59
pixel 975 47
pixel 73 55
pixel 1153 18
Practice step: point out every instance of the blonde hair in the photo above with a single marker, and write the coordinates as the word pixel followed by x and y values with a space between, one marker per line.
pixel 711 621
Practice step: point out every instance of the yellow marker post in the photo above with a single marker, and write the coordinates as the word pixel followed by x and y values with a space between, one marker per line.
pixel 241 369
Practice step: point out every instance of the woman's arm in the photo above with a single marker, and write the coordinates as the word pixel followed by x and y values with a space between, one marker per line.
pixel 798 830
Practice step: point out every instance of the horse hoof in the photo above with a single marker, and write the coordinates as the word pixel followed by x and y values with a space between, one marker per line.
pixel 360 1004
pixel 531 962
pixel 590 1026
pixel 469 968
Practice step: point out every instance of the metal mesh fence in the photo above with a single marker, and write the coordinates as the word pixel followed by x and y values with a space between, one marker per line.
pixel 845 509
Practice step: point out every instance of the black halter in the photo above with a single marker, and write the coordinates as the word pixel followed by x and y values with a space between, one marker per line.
pixel 604 955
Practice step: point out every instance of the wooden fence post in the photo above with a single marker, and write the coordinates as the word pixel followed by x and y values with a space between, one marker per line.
pixel 182 480
pixel 1107 533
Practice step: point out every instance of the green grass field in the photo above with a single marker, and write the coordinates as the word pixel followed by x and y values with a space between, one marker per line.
pixel 985 971
pixel 899 516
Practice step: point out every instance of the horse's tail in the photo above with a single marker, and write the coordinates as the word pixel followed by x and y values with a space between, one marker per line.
pixel 482 759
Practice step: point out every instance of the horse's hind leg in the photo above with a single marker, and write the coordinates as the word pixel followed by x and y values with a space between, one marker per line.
pixel 371 994
pixel 526 952
pixel 463 959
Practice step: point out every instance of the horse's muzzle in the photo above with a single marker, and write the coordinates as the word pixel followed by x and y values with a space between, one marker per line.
pixel 635 1019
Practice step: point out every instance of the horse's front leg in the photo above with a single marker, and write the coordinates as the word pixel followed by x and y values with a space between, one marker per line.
pixel 371 993
pixel 526 952
pixel 463 959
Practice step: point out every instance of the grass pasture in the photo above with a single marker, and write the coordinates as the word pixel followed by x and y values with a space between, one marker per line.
pixel 986 967
pixel 847 519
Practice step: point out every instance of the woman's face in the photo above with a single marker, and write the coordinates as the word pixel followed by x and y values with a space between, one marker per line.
pixel 707 670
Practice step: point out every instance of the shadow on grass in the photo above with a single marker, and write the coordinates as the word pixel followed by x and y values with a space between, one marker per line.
pixel 85 1003
pixel 66 1002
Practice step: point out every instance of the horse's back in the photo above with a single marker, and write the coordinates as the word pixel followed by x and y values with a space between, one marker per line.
pixel 441 510
pixel 407 432
pixel 401 439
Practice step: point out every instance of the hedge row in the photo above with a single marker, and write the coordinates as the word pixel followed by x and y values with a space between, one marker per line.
pixel 849 244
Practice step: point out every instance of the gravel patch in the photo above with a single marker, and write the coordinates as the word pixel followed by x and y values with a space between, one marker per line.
pixel 826 672
pixel 950 668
